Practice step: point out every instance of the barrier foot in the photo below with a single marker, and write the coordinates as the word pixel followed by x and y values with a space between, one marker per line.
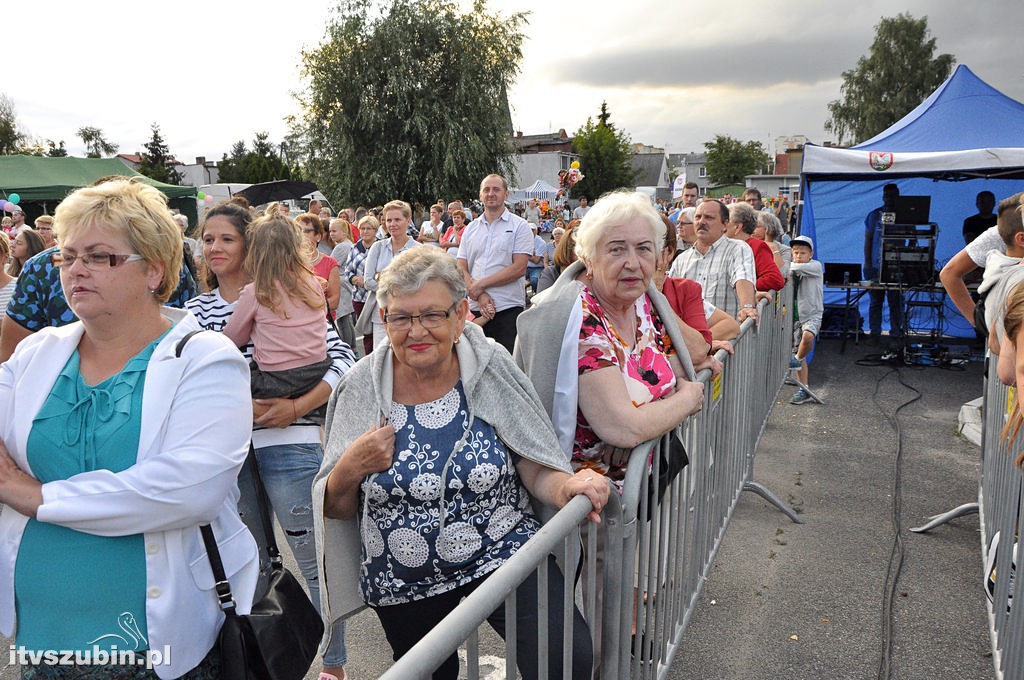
pixel 763 491
pixel 791 379
pixel 946 517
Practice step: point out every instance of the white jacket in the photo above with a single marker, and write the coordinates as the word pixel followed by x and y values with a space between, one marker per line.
pixel 184 476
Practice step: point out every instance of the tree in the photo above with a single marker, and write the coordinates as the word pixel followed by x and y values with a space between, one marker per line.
pixel 900 71
pixel 263 164
pixel 410 103
pixel 55 150
pixel 96 146
pixel 606 159
pixel 158 163
pixel 10 137
pixel 730 160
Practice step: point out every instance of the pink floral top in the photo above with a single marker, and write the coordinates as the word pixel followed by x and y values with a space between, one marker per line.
pixel 645 370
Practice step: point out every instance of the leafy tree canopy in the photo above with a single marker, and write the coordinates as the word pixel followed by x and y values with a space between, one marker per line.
pixel 264 163
pixel 10 136
pixel 158 163
pixel 606 159
pixel 96 145
pixel 56 150
pixel 409 101
pixel 899 72
pixel 730 160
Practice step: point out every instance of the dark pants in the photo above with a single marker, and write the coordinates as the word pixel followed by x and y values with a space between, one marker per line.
pixel 346 330
pixel 503 327
pixel 406 624
pixel 895 300
pixel 368 338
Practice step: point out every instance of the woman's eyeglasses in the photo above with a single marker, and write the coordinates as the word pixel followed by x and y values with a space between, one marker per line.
pixel 94 261
pixel 403 322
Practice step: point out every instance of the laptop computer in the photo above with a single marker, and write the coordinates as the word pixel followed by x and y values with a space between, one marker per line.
pixel 912 209
pixel 838 273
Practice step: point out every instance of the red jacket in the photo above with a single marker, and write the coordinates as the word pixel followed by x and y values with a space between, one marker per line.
pixel 768 275
pixel 687 300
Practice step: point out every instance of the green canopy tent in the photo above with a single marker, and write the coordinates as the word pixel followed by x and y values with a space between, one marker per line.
pixel 42 183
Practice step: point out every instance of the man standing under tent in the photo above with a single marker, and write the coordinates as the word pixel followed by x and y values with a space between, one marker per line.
pixel 975 225
pixel 873 230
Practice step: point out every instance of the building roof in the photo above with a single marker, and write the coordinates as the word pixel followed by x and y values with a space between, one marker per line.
pixel 678 160
pixel 648 168
pixel 547 141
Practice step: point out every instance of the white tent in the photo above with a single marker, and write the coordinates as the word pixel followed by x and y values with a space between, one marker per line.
pixel 540 190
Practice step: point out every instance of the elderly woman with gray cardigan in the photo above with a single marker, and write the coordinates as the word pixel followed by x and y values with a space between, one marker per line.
pixel 437 446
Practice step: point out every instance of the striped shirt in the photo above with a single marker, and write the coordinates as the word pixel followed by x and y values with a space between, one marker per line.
pixel 717 271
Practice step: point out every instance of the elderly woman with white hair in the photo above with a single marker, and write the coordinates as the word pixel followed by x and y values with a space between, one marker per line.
pixel 624 337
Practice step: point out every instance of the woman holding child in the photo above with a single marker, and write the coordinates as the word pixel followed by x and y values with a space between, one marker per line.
pixel 285 437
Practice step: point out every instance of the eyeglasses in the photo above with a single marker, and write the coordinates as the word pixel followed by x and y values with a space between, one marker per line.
pixel 403 322
pixel 309 231
pixel 94 261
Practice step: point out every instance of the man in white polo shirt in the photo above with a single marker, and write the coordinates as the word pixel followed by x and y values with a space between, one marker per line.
pixel 492 256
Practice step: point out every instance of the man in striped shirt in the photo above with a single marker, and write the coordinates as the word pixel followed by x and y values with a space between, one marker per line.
pixel 722 266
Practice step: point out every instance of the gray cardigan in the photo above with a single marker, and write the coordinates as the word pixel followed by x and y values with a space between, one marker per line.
pixel 496 391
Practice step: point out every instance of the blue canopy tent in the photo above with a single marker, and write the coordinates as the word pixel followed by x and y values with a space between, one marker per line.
pixel 965 138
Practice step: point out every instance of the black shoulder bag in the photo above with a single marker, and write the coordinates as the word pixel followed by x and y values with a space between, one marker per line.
pixel 279 638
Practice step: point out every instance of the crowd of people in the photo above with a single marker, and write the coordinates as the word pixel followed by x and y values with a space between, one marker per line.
pixel 401 479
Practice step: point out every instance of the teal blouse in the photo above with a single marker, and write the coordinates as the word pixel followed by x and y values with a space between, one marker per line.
pixel 74 590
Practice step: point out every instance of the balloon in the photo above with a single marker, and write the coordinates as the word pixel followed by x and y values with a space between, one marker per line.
pixel 208 198
pixel 575 165
pixel 200 196
pixel 3 205
pixel 14 198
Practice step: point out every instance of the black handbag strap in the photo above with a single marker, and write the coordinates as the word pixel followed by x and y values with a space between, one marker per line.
pixel 221 583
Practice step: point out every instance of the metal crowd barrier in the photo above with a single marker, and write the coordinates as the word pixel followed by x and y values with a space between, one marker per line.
pixel 655 560
pixel 1001 511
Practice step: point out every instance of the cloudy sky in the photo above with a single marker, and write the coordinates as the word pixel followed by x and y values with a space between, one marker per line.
pixel 674 72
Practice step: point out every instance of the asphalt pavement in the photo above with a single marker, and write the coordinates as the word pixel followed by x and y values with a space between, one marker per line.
pixel 795 602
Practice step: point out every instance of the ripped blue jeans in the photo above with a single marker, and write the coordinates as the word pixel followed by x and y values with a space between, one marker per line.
pixel 288 471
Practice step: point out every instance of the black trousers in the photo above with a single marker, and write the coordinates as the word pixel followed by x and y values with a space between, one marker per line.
pixel 406 624
pixel 503 327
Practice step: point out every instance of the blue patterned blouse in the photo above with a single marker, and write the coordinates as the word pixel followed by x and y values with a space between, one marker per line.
pixel 450 510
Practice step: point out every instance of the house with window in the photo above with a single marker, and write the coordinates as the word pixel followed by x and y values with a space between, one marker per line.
pixel 692 165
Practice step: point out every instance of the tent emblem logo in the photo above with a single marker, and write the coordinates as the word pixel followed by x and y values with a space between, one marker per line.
pixel 880 160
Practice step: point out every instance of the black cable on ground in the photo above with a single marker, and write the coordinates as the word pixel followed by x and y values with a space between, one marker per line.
pixel 896 552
